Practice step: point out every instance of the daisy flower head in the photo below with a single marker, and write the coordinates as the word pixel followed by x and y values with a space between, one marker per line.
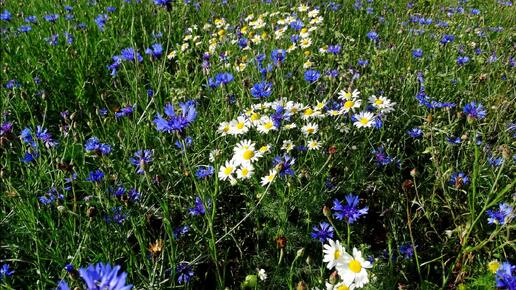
pixel 266 125
pixel 239 126
pixel 224 128
pixel 269 178
pixel 245 153
pixel 309 129
pixel 226 171
pixel 351 105
pixel 340 286
pixel 382 103
pixel 313 144
pixel 265 149
pixel 333 253
pixel 245 171
pixel 353 269
pixel 288 145
pixel 363 119
pixel 348 95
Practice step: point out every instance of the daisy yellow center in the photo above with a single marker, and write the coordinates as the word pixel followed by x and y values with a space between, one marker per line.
pixel 343 287
pixel 309 112
pixel 268 125
pixel 248 154
pixel 364 121
pixel 270 177
pixel 263 148
pixel 355 266
pixel 226 129
pixel 347 95
pixel 228 170
pixel 310 130
pixel 378 101
pixel 493 266
pixel 240 125
pixel 255 116
pixel 336 255
pixel 349 104
pixel 293 110
pixel 245 171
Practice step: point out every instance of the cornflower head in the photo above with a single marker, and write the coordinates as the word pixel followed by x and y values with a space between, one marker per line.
pixel 102 276
pixel 141 159
pixel 176 122
pixel 283 165
pixel 348 211
pixel 502 216
pixel 322 232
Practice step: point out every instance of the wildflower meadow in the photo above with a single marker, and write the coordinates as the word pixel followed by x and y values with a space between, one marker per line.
pixel 231 144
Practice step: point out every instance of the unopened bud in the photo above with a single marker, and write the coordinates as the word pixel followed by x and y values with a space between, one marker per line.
pixel 333 278
pixel 326 211
pixel 301 286
pixel 300 252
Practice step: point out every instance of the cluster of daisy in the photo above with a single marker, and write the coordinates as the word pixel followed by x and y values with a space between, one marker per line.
pixel 293 30
pixel 352 105
pixel 351 268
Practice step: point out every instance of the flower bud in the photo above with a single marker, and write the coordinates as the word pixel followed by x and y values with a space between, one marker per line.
pixel 301 286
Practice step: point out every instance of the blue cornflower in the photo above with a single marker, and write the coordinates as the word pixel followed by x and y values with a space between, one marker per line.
pixel 297 25
pixel 101 20
pixel 110 9
pixel 363 62
pixel 141 159
pixel 51 17
pixel 506 276
pixel 26 137
pixel 502 216
pixel 447 39
pixel 162 2
pixel 25 28
pixel 312 75
pixel 459 179
pixel 198 208
pixel 262 89
pixel 461 60
pixel 62 285
pixel 31 19
pixel 224 78
pixel 69 268
pixel 117 217
pixel 335 49
pixel 322 232
pixel 51 196
pixel 93 145
pixel 181 231
pixel 155 51
pixel 103 276
pixel 117 61
pixel 184 273
pixel 380 157
pixel 278 56
pixel 6 128
pixel 53 39
pixel 453 140
pixel 333 73
pixel 124 112
pixel 475 110
pixel 204 172
pixel 373 36
pixel 495 161
pixel 284 165
pixel 415 132
pixel 187 142
pixel 407 251
pixel 68 37
pixel 5 271
pixel 29 157
pixel 243 42
pixel 417 53
pixel 350 212
pixel 130 54
pixel 475 11
pixel 176 122
pixel 134 194
pixel 95 176
pixel 11 84
pixel 5 15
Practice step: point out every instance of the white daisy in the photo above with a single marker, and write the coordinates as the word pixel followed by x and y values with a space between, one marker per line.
pixel 351 105
pixel 333 253
pixel 265 149
pixel 245 153
pixel 363 119
pixel 313 144
pixel 226 171
pixel 382 103
pixel 353 269
pixel 245 171
pixel 239 126
pixel 305 42
pixel 224 128
pixel 290 126
pixel 287 145
pixel 347 95
pixel 339 286
pixel 269 178
pixel 309 129
pixel 262 275
pixel 266 125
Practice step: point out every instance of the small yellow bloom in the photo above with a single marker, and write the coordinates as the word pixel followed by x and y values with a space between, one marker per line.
pixel 493 266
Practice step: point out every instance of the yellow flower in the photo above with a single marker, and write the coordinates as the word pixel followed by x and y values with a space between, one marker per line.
pixel 493 266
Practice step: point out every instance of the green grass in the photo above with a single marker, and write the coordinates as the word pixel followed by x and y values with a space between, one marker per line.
pixel 239 232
